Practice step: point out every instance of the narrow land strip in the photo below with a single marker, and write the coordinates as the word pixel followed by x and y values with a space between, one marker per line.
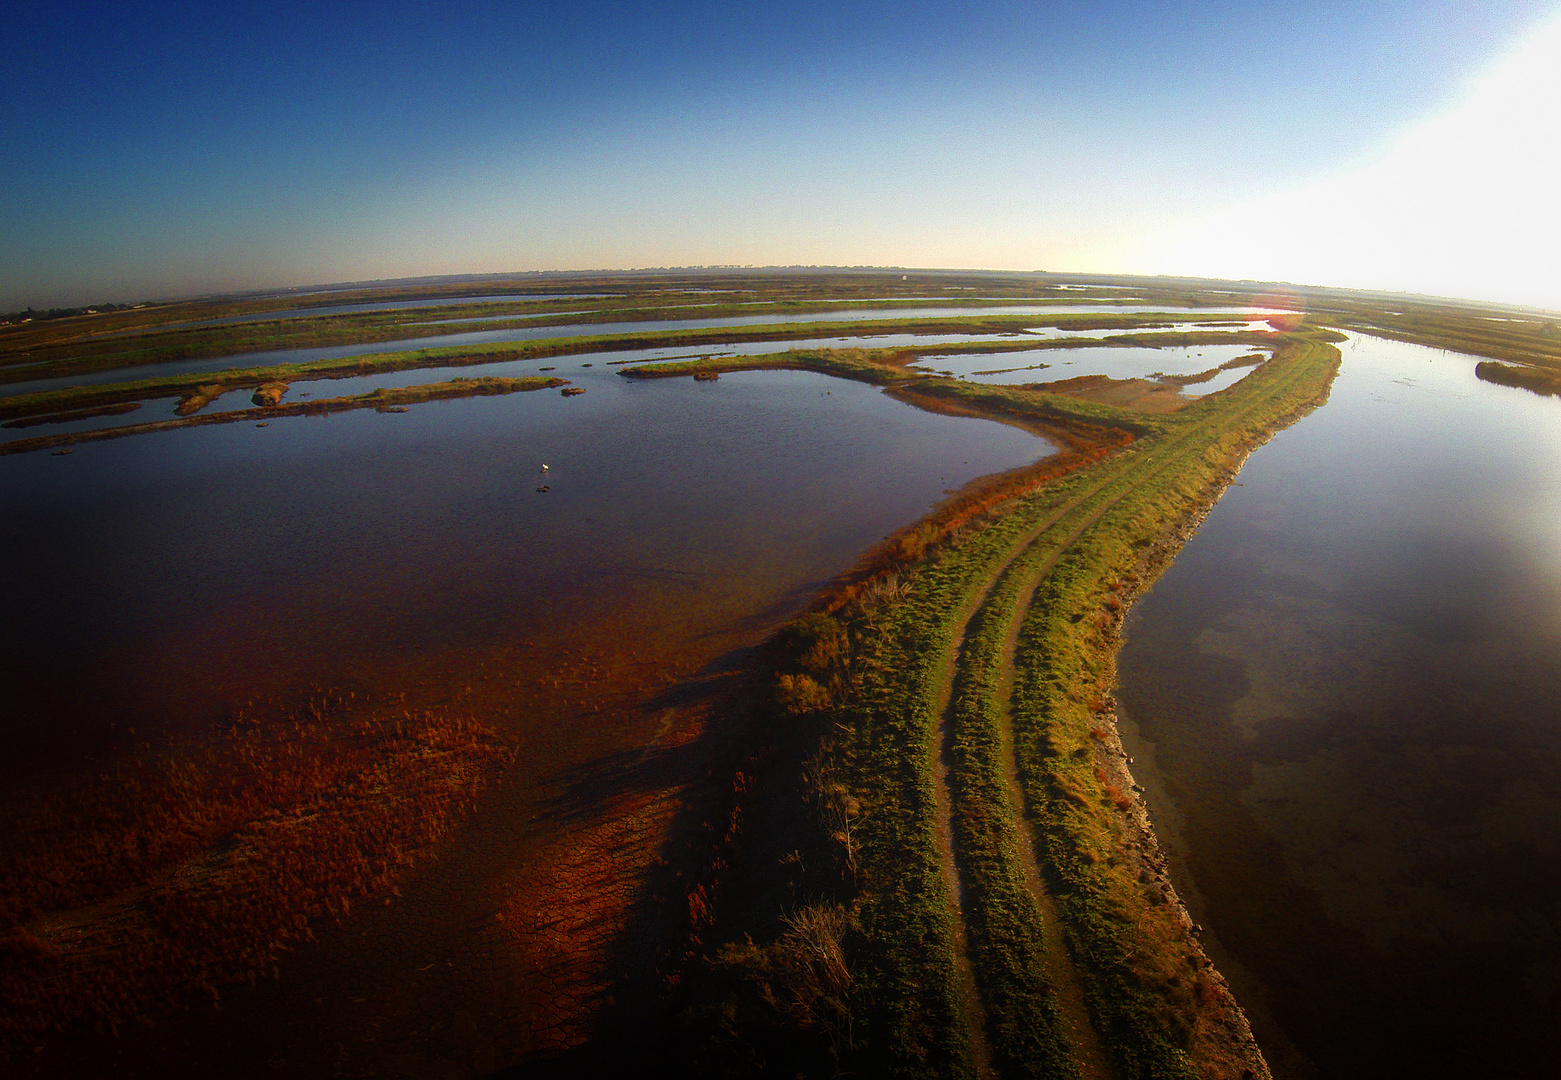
pixel 1043 1028
pixel 1130 939
pixel 384 400
pixel 945 708
pixel 946 657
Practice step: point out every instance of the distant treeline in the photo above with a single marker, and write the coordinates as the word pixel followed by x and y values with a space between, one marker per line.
pixel 63 312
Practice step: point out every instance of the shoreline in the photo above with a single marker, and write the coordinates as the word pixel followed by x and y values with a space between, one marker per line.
pixel 382 400
pixel 1218 1025
pixel 1136 759
pixel 1119 781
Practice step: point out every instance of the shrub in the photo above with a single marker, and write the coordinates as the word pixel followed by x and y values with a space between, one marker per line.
pixel 799 694
pixel 816 643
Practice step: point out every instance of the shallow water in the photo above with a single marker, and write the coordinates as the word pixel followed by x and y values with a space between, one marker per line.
pixel 1115 361
pixel 1040 307
pixel 333 352
pixel 534 333
pixel 1346 695
pixel 316 548
pixel 573 367
pixel 161 582
pixel 388 305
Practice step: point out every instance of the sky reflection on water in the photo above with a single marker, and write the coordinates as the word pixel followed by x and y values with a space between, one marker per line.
pixel 1348 684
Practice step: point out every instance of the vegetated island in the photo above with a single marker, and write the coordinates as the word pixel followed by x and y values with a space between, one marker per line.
pixel 195 391
pixel 1135 329
pixel 268 406
pixel 138 337
pixel 1543 381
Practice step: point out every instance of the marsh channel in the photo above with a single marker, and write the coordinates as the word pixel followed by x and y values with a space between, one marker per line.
pixel 1345 702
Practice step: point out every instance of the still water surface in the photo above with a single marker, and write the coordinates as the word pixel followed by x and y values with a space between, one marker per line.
pixel 321 548
pixel 158 583
pixel 1344 691
pixel 577 368
pixel 388 305
pixel 1114 361
pixel 1347 695
pixel 531 333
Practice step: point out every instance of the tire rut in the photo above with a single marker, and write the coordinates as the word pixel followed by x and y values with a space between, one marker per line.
pixel 980 1039
pixel 1091 1056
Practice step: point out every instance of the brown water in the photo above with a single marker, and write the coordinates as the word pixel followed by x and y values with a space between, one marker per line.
pixel 1347 699
pixel 157 583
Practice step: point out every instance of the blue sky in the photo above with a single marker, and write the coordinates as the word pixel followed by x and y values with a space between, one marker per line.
pixel 162 149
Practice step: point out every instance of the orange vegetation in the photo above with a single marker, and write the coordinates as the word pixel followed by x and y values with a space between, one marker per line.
pixel 197 399
pixel 604 879
pixel 563 918
pixel 1143 395
pixel 132 891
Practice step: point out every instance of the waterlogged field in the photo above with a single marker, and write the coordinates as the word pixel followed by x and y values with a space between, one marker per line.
pixel 435 679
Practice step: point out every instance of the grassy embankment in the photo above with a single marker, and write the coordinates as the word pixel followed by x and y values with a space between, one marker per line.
pixel 623 290
pixel 185 330
pixel 851 951
pixel 21 360
pixel 197 389
pixel 1530 339
pixel 384 399
pixel 1523 347
pixel 47 351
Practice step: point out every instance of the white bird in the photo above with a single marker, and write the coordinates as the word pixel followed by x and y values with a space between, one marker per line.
pixel 544 468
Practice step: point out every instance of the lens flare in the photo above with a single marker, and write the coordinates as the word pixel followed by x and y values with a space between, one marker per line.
pixel 1462 204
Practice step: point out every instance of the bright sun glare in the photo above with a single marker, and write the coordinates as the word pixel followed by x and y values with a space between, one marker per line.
pixel 1462 204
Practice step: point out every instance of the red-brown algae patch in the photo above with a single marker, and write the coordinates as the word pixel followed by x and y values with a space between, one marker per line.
pixel 131 892
pixel 567 914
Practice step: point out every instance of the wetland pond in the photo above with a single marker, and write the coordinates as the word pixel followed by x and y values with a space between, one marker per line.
pixel 1344 698
pixel 245 553
pixel 583 369
pixel 1113 361
pixel 1342 695
pixel 169 580
pixel 379 305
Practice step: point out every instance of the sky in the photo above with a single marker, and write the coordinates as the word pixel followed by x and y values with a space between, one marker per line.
pixel 156 150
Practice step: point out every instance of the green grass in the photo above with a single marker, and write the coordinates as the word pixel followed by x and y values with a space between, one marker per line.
pixel 881 366
pixel 858 855
pixel 1139 971
pixel 1522 338
pixel 1132 953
